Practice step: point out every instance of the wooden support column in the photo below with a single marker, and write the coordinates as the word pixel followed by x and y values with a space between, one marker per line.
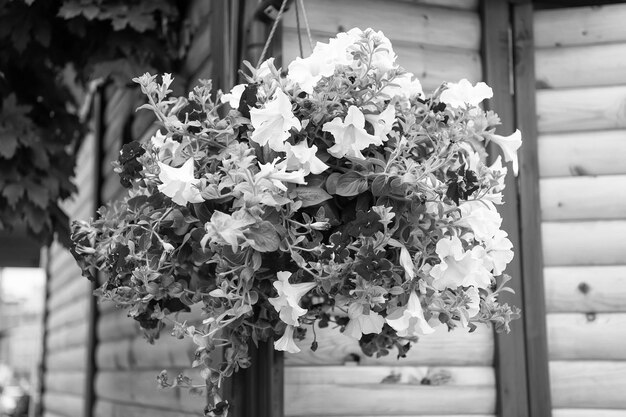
pixel 530 213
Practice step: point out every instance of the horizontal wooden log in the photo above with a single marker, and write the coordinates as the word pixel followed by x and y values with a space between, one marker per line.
pixel 67 405
pixel 140 388
pixel 584 243
pixel 67 337
pixel 582 153
pixel 62 382
pixel 387 399
pixel 399 21
pixel 583 198
pixel 580 66
pixel 76 288
pixel 588 384
pixel 585 289
pixel 430 65
pixel 439 348
pixel 412 375
pixel 137 354
pixel 584 109
pixel 71 359
pixel 579 26
pixel 406 415
pixel 591 336
pixel 47 413
pixel 453 4
pixel 69 314
pixel 104 408
pixel 586 412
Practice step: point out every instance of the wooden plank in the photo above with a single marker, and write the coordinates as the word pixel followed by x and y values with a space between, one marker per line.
pixel 68 315
pixel 584 243
pixel 387 399
pixel 440 348
pixel 138 354
pixel 590 336
pixel 583 198
pixel 453 4
pixel 67 405
pixel 71 382
pixel 67 337
pixel 431 65
pixel 104 408
pixel 581 109
pixel 585 289
pixel 588 384
pixel 140 388
pixel 580 66
pixel 526 110
pixel 76 288
pixel 582 153
pixel 580 26
pixel 73 359
pixel 586 412
pixel 412 375
pixel 399 21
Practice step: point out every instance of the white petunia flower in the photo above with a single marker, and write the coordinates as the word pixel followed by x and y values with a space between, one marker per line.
pixel 234 96
pixel 306 72
pixel 383 122
pixel 362 321
pixel 509 145
pixel 272 122
pixel 409 321
pixel 480 216
pixel 463 94
pixel 165 145
pixel 404 86
pixel 227 229
pixel 350 135
pixel 289 295
pixel 179 183
pixel 278 174
pixel 286 342
pixel 499 252
pixel 459 267
pixel 300 156
pixel 473 306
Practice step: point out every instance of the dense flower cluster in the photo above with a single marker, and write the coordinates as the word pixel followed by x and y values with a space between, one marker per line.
pixel 339 192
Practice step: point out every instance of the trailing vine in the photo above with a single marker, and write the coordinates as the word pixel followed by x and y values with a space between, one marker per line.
pixel 51 50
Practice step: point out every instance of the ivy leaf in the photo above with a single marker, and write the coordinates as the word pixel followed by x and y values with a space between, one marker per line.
pixel 12 193
pixel 37 193
pixel 351 184
pixel 8 144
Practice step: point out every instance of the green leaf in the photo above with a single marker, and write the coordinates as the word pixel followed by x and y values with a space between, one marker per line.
pixel 37 193
pixel 8 144
pixel 311 196
pixel 351 184
pixel 263 237
pixel 12 193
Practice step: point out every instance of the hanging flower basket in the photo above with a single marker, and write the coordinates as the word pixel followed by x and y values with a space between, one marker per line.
pixel 338 193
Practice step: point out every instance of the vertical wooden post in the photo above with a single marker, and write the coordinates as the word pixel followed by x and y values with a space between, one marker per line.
pixel 510 360
pixel 532 257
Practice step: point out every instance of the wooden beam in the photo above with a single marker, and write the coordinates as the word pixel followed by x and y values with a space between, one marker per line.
pixel 532 258
pixel 510 352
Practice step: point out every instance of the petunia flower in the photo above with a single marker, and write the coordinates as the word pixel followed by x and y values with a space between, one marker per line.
pixel 306 72
pixel 179 183
pixel 404 86
pixel 278 175
pixel 409 321
pixel 363 321
pixel 272 122
pixel 473 306
pixel 383 122
pixel 463 94
pixel 289 295
pixel 459 267
pixel 234 96
pixel 350 135
pixel 227 229
pixel 509 145
pixel 499 252
pixel 480 216
pixel 286 342
pixel 165 145
pixel 300 156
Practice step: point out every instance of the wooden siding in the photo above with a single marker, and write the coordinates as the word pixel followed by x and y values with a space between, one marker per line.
pixel 65 357
pixel 581 110
pixel 437 41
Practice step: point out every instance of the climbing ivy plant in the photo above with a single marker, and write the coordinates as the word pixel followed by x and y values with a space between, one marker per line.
pixel 51 50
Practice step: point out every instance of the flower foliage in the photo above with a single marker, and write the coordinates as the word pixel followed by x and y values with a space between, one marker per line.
pixel 338 192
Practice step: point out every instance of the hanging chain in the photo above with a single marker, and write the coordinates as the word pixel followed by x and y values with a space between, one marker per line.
pixel 271 35
pixel 298 29
pixel 306 24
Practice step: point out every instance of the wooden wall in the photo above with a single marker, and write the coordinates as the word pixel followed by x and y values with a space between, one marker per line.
pixel 444 374
pixel 581 110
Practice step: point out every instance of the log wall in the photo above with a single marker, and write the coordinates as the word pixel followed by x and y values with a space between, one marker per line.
pixel 581 111
pixel 444 374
